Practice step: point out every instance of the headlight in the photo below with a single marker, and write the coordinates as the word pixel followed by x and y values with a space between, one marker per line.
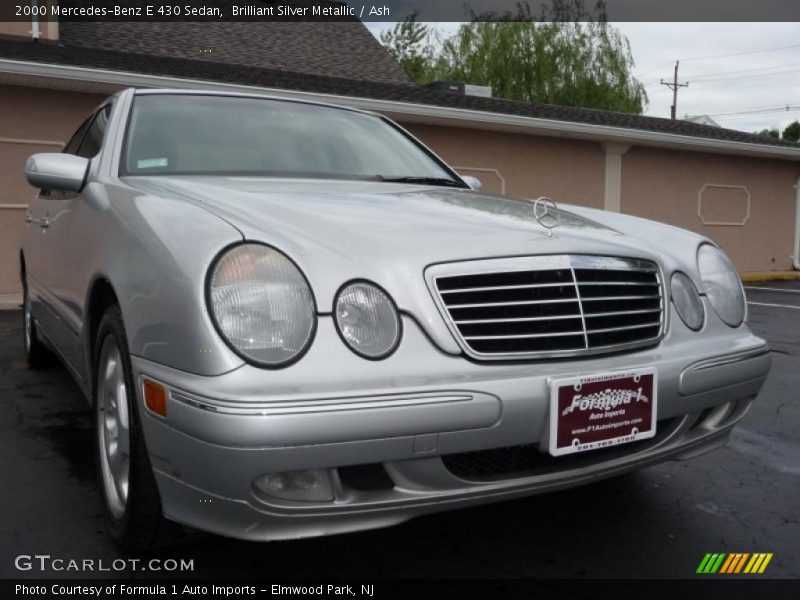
pixel 722 284
pixel 687 301
pixel 262 304
pixel 367 320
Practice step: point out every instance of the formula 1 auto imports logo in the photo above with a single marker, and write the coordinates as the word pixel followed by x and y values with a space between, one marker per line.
pixel 734 563
pixel 608 399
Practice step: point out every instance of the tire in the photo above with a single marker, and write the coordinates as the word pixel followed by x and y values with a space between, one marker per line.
pixel 37 354
pixel 130 496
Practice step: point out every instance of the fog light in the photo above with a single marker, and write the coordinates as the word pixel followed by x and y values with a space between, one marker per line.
pixel 311 485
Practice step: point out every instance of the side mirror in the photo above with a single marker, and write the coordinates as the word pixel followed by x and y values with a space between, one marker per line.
pixel 57 172
pixel 473 182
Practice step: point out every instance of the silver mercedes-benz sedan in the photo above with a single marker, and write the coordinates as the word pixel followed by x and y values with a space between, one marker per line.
pixel 293 319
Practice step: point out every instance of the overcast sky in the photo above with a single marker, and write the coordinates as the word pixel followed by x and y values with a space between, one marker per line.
pixel 730 67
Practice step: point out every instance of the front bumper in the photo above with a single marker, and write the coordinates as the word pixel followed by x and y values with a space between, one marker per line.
pixel 332 410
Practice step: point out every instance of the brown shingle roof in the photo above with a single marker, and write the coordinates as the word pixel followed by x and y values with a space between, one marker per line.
pixel 337 49
pixel 324 84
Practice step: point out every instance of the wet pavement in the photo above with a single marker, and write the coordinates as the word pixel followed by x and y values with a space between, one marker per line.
pixel 658 522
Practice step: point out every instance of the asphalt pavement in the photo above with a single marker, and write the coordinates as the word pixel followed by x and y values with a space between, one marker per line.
pixel 658 522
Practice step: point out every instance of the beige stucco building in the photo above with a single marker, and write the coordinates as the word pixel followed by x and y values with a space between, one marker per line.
pixel 736 188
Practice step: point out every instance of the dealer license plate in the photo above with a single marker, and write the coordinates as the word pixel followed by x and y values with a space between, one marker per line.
pixel 601 410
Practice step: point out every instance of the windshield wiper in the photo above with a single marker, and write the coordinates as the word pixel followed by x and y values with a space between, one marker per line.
pixel 422 180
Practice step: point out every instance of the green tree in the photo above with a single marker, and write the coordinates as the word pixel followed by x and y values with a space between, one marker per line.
pixel 411 44
pixel 565 63
pixel 565 56
pixel 770 133
pixel 792 132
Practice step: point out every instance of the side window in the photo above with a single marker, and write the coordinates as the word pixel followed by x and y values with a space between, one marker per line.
pixel 93 140
pixel 74 143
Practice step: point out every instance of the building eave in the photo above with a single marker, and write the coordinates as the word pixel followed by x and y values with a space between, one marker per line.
pixel 108 81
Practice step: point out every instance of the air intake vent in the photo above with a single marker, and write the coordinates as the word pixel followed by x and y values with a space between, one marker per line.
pixel 497 464
pixel 550 305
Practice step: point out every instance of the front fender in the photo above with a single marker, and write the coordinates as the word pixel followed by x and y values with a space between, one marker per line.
pixel 155 252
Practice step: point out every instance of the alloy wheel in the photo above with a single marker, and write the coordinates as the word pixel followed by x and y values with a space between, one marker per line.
pixel 113 427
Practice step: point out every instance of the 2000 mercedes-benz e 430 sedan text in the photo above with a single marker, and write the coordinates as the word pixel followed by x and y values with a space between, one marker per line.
pixel 293 320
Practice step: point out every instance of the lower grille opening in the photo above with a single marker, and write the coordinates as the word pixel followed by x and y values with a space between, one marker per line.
pixel 366 478
pixel 731 413
pixel 716 416
pixel 701 418
pixel 523 461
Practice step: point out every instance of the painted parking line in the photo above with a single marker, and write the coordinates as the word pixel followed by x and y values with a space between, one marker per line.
pixel 774 305
pixel 771 289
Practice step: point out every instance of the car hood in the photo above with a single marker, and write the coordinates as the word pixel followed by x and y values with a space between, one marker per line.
pixel 389 233
pixel 351 218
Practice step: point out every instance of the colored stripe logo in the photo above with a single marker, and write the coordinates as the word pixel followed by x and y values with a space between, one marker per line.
pixel 734 563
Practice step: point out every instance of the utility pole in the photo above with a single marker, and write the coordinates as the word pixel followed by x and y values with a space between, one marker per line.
pixel 674 85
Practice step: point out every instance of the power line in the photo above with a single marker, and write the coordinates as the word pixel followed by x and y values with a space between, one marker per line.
pixel 758 111
pixel 708 78
pixel 742 53
pixel 713 75
pixel 699 58
pixel 705 75
pixel 754 76
pixel 771 115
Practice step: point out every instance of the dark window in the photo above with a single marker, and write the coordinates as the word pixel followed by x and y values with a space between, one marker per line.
pixel 75 142
pixel 93 140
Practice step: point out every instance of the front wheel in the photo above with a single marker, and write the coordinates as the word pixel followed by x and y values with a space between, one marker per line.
pixel 130 495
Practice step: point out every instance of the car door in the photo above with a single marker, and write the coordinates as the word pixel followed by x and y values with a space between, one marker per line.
pixel 36 244
pixel 65 248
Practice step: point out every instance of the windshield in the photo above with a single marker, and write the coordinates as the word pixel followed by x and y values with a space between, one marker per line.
pixel 224 135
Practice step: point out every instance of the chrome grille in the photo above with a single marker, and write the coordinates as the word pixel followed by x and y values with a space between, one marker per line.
pixel 545 306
